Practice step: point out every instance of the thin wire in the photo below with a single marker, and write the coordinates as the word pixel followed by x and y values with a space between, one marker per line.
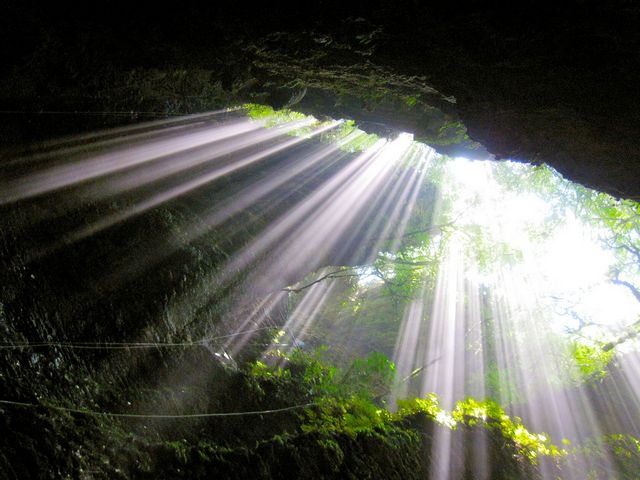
pixel 124 345
pixel 61 112
pixel 142 415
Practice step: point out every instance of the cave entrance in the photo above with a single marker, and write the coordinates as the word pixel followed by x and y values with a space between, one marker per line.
pixel 260 235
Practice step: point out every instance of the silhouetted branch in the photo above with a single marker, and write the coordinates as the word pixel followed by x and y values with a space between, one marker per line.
pixel 632 288
pixel 323 277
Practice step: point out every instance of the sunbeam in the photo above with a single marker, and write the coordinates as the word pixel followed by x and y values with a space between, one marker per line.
pixel 386 285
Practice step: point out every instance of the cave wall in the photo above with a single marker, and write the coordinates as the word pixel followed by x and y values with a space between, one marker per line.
pixel 555 84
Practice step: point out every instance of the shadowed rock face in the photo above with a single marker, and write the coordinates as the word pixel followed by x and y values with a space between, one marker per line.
pixel 558 85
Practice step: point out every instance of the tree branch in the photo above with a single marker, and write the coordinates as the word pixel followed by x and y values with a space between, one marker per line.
pixel 632 288
pixel 632 331
pixel 323 277
pixel 430 229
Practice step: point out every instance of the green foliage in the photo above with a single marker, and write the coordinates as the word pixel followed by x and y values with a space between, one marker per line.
pixel 273 118
pixel 486 414
pixel 348 396
pixel 452 133
pixel 350 138
pixel 538 179
pixel 333 415
pixel 370 376
pixel 626 453
pixel 592 360
pixel 347 135
pixel 615 223
pixel 428 405
pixel 613 456
pixel 180 449
pixel 492 416
pixel 345 400
pixel 488 252
pixel 345 411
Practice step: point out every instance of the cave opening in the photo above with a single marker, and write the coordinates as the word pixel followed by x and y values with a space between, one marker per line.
pixel 251 282
pixel 193 291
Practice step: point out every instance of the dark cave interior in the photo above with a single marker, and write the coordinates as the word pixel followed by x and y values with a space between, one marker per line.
pixel 544 84
pixel 541 84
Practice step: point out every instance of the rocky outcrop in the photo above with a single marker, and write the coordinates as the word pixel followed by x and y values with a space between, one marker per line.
pixel 557 85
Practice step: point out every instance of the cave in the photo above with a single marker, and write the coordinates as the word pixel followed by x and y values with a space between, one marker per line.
pixel 140 219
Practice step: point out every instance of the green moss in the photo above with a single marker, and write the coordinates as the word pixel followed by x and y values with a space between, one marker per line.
pixel 180 450
pixel 346 135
